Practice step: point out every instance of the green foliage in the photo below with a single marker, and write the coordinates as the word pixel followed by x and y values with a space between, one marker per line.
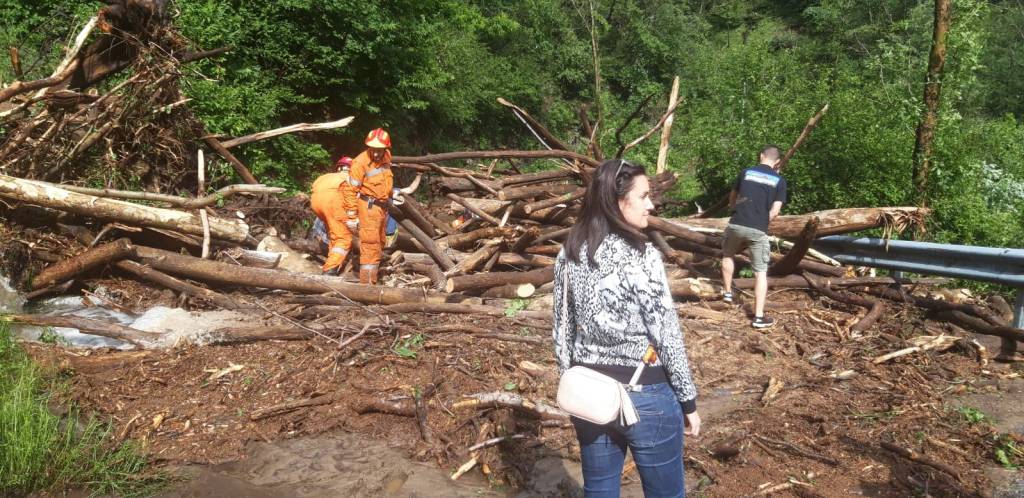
pixel 752 72
pixel 409 345
pixel 1008 452
pixel 41 451
pixel 515 306
pixel 972 415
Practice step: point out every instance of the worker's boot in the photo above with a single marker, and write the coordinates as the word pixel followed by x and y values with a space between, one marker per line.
pixel 333 272
pixel 364 275
pixel 373 274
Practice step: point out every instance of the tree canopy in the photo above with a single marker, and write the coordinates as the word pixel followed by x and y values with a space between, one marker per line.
pixel 752 72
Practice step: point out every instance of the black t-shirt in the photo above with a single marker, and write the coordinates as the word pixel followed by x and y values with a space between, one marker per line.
pixel 757 188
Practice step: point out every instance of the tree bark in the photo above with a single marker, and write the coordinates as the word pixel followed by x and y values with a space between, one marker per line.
pixel 516 259
pixel 494 279
pixel 45 195
pixel 510 291
pixel 239 167
pixel 833 221
pixel 546 137
pixel 474 209
pixel 788 264
pixel 172 283
pixel 477 258
pixel 875 308
pixel 414 215
pixel 530 191
pixel 554 201
pixel 182 202
pixel 499 154
pixel 439 226
pixel 666 130
pixel 88 326
pixel 469 239
pixel 224 274
pixel 925 135
pixel 81 263
pixel 538 177
pixel 298 127
pixel 464 309
pixel 806 132
pixel 246 335
pixel 462 184
pixel 428 245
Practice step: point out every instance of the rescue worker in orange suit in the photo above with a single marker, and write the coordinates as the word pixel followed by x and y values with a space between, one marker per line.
pixel 331 205
pixel 371 182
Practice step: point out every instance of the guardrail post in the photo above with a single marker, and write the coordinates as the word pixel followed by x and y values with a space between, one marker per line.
pixel 1008 347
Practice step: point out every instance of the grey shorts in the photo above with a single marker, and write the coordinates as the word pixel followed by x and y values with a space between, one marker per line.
pixel 738 237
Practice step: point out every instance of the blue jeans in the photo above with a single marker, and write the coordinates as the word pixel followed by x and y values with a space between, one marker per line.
pixel 656 442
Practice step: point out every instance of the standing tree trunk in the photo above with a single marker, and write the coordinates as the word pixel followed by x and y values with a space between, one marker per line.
pixel 932 87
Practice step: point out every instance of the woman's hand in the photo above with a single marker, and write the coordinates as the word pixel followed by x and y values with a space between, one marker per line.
pixel 692 424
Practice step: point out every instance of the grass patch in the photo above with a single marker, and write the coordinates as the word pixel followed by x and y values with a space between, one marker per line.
pixel 40 451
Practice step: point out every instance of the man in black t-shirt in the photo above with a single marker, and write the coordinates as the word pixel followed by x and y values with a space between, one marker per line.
pixel 756 199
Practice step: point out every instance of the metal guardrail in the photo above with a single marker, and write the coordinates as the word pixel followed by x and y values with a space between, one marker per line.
pixel 986 264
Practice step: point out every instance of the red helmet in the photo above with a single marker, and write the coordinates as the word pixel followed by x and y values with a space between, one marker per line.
pixel 344 162
pixel 378 139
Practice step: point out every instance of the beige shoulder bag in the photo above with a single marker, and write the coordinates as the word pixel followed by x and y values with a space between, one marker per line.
pixel 593 396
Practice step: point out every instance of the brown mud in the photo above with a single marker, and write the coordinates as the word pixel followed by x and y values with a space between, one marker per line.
pixel 817 424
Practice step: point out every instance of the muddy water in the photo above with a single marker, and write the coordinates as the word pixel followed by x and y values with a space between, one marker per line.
pixel 343 465
pixel 172 323
pixel 351 466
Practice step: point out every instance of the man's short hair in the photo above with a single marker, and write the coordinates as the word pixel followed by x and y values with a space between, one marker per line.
pixel 770 152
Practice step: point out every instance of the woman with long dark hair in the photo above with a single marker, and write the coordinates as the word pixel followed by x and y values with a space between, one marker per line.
pixel 617 306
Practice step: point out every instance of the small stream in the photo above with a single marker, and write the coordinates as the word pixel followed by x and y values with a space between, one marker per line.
pixel 172 322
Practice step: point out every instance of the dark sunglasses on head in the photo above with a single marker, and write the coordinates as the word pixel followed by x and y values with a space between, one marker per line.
pixel 619 169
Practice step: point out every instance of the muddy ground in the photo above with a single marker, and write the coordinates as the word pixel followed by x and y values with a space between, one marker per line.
pixel 824 430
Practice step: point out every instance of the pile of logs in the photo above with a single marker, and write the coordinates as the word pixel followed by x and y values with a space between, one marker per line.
pixel 489 235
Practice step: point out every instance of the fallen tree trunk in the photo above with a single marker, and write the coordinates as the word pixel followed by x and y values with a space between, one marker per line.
pixel 554 201
pixel 540 176
pixel 798 282
pixel 469 239
pixel 181 202
pixel 475 210
pixel 833 222
pixel 516 259
pixel 803 264
pixel 875 308
pixel 487 280
pixel 238 166
pixel 477 258
pixel 497 154
pixel 981 326
pixel 939 305
pixel 172 283
pixel 538 408
pixel 81 263
pixel 788 264
pixel 88 326
pixel 45 195
pixel 463 309
pixel 428 245
pixel 330 125
pixel 224 274
pixel 245 335
pixel 510 291
pixel 518 193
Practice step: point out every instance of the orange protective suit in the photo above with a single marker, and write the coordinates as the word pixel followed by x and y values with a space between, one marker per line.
pixel 371 183
pixel 329 202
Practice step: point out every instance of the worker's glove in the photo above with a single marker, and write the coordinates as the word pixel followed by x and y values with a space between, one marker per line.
pixel 396 197
pixel 352 224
